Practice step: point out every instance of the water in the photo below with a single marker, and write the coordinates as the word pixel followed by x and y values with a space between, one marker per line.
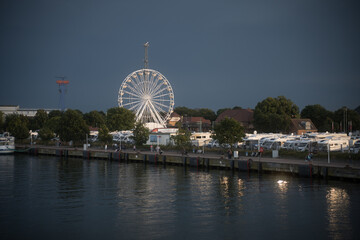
pixel 51 198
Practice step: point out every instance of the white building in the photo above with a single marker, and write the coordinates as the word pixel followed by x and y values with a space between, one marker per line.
pixel 29 112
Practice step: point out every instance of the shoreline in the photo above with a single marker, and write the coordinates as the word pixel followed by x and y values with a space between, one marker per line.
pixel 317 168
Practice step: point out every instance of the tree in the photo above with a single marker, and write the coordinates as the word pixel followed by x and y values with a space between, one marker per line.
pixel 140 134
pixel 206 113
pixel 350 117
pixel 201 112
pixel 104 135
pixel 17 125
pixel 73 126
pixel 40 118
pixel 274 114
pixel 46 134
pixel 54 113
pixel 321 117
pixel 119 118
pixel 182 138
pixel 94 118
pixel 221 110
pixel 184 111
pixel 228 131
pixel 54 124
pixel 357 109
pixel 2 122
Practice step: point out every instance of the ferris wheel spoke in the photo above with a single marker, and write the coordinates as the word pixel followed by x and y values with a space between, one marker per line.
pixel 136 80
pixel 159 91
pixel 140 113
pixel 154 112
pixel 155 83
pixel 135 106
pixel 155 89
pixel 132 94
pixel 162 95
pixel 157 94
pixel 136 91
pixel 158 109
pixel 132 103
pixel 160 104
pixel 151 79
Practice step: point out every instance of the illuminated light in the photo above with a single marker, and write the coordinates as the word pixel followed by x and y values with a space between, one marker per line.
pixel 281 182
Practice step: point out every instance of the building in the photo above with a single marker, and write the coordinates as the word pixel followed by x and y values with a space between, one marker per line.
pixel 196 124
pixel 301 126
pixel 161 136
pixel 174 118
pixel 244 116
pixel 28 112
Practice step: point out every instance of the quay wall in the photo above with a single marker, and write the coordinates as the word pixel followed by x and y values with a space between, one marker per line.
pixel 296 168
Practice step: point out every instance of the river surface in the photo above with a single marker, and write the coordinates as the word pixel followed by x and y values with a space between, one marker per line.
pixel 44 197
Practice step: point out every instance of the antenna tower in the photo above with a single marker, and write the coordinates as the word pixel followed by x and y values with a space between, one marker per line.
pixel 62 90
pixel 146 60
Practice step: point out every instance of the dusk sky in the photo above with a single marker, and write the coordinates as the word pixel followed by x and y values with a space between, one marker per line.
pixel 215 54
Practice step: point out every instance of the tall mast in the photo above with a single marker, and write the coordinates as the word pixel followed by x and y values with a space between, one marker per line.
pixel 146 60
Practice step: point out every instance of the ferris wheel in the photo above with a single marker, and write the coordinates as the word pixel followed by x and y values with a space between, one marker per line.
pixel 149 95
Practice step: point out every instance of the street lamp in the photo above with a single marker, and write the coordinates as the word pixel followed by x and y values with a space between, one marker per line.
pixel 328 145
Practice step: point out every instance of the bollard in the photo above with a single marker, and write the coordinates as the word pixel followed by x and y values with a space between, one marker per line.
pixel 232 164
pixel 164 160
pixel 184 161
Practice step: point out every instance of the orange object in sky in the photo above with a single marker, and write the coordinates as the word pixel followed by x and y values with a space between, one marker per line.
pixel 62 81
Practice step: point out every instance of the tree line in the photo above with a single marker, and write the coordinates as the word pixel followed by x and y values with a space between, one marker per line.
pixel 270 115
pixel 73 125
pixel 275 114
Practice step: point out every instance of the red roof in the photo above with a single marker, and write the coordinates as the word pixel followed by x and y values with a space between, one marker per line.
pixel 240 115
pixel 196 120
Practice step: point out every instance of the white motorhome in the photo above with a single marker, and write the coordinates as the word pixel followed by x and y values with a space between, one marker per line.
pixel 200 139
pixel 333 145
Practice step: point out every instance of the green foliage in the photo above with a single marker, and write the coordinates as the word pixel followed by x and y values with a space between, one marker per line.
pixel 228 131
pixel 348 115
pixel 182 138
pixel 40 118
pixel 46 134
pixel 321 117
pixel 54 113
pixel 73 126
pixel 119 118
pixel 95 118
pixel 140 134
pixel 274 114
pixel 221 110
pixel 201 112
pixel 2 121
pixel 17 125
pixel 104 135
pixel 54 124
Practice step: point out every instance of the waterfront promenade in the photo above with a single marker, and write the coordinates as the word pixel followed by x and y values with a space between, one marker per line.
pixel 346 168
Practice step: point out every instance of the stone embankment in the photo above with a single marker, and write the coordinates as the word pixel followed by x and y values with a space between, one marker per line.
pixel 321 169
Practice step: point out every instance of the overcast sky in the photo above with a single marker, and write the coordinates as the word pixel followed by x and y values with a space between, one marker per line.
pixel 215 54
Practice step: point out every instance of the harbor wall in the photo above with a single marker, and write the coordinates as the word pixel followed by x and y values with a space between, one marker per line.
pixel 302 169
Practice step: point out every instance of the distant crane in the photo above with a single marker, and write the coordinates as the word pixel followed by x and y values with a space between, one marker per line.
pixel 62 90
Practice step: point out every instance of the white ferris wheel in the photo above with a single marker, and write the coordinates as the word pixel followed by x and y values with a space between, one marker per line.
pixel 148 94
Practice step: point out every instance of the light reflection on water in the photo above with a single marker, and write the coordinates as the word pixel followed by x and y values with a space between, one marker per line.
pixel 46 197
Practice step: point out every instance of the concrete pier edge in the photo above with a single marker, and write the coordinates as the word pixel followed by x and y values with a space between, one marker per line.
pixel 265 165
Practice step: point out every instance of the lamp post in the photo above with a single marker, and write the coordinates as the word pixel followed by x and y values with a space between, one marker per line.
pixel 328 145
